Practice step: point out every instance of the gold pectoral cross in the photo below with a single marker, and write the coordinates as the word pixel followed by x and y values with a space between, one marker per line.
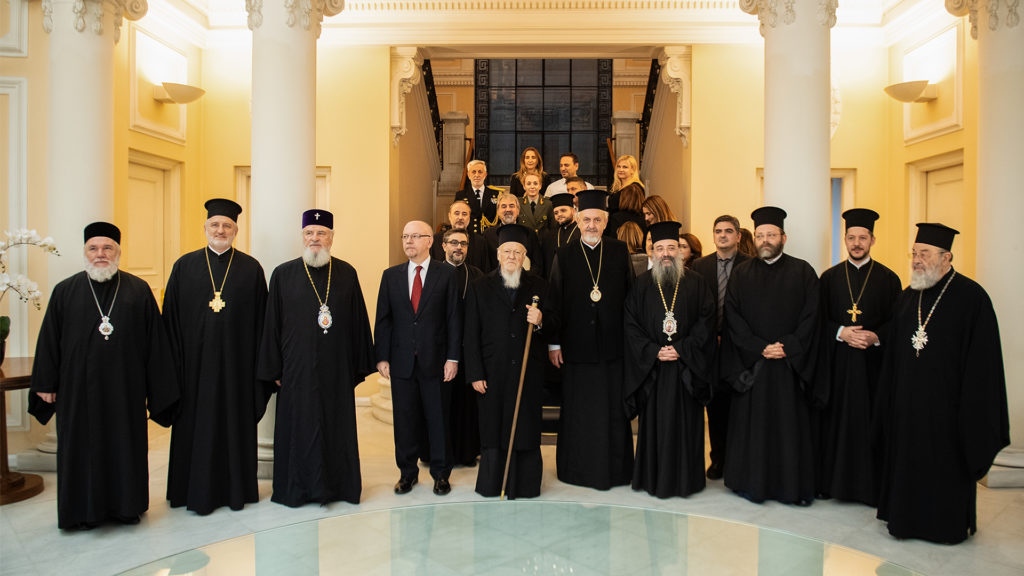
pixel 853 312
pixel 217 304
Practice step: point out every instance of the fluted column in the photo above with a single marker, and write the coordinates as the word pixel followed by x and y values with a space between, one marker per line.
pixel 997 27
pixel 797 114
pixel 284 34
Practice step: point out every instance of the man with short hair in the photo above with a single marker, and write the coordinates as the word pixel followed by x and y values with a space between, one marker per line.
pixel 317 348
pixel 670 345
pixel 459 218
pixel 508 213
pixel 102 360
pixel 499 316
pixel 942 397
pixel 482 198
pixel 568 166
pixel 716 269
pixel 419 345
pixel 588 285
pixel 565 230
pixel 857 296
pixel 771 316
pixel 214 309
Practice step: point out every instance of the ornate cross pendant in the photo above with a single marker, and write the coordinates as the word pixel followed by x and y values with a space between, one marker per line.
pixel 919 339
pixel 854 312
pixel 217 304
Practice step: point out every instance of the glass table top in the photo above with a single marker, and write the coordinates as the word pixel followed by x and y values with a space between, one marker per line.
pixel 517 537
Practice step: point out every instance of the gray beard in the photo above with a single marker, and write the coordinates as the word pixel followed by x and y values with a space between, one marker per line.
pixel 666 275
pixel 592 240
pixel 925 279
pixel 456 262
pixel 101 274
pixel 316 259
pixel 509 219
pixel 767 253
pixel 512 278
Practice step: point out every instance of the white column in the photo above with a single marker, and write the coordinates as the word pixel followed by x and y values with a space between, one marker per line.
pixel 1000 37
pixel 624 127
pixel 797 113
pixel 283 141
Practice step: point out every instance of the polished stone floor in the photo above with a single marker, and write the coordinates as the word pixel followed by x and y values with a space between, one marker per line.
pixel 30 542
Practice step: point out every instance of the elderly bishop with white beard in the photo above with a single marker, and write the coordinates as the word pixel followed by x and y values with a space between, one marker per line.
pixel 670 326
pixel 102 360
pixel 942 410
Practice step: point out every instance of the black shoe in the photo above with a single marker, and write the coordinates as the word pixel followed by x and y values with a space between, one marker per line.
pixel 442 487
pixel 715 471
pixel 404 485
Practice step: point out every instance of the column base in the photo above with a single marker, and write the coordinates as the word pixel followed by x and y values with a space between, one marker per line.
pixel 1007 471
pixel 381 402
pixel 34 460
pixel 265 469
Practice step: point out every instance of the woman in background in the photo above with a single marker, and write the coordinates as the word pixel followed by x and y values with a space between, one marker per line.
pixel 746 245
pixel 627 175
pixel 633 236
pixel 630 210
pixel 529 163
pixel 690 248
pixel 655 209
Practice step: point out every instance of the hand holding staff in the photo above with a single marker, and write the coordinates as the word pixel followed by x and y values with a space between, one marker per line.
pixel 533 316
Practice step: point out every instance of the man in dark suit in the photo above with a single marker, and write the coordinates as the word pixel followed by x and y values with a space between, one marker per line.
pixel 476 253
pixel 716 269
pixel 483 199
pixel 418 343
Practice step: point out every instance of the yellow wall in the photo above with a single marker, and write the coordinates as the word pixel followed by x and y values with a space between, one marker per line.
pixel 415 187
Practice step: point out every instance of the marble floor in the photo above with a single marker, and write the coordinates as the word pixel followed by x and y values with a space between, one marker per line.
pixel 30 542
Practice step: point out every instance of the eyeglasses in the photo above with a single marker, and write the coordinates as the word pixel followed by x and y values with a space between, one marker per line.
pixel 507 252
pixel 414 236
pixel 768 236
pixel 457 243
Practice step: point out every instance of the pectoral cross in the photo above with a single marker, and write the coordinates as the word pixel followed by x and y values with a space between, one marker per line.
pixel 853 312
pixel 217 304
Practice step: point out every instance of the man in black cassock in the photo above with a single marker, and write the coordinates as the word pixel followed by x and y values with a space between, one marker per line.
pixel 499 316
pixel 772 324
pixel 670 344
pixel 589 281
pixel 858 296
pixel 563 232
pixel 716 268
pixel 942 413
pixel 101 361
pixel 508 213
pixel 213 308
pixel 476 250
pixel 317 346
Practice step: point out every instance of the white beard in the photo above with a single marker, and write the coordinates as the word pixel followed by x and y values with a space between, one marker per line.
pixel 316 259
pixel 101 274
pixel 593 240
pixel 667 275
pixel 925 279
pixel 512 278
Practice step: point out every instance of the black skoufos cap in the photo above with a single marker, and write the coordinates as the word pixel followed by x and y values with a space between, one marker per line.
pixel 861 217
pixel 222 207
pixel 935 234
pixel 665 230
pixel 318 218
pixel 105 229
pixel 562 199
pixel 513 233
pixel 769 215
pixel 588 199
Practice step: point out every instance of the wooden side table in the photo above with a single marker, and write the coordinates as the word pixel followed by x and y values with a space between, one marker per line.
pixel 15 374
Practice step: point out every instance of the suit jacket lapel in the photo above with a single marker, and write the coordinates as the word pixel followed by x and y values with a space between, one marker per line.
pixel 428 283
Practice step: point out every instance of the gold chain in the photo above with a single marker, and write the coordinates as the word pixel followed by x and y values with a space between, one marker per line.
pixel 674 293
pixel 327 295
pixel 558 236
pixel 210 270
pixel 600 262
pixel 920 295
pixel 862 288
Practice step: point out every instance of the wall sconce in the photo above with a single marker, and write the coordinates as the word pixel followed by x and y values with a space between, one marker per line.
pixel 170 92
pixel 914 91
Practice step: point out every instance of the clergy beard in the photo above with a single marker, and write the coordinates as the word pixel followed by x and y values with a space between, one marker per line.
pixel 926 278
pixel 768 251
pixel 317 258
pixel 667 270
pixel 591 239
pixel 511 278
pixel 101 274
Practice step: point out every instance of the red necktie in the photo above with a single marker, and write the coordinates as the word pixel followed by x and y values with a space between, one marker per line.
pixel 417 289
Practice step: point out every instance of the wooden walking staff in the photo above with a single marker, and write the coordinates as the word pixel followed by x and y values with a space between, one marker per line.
pixel 519 396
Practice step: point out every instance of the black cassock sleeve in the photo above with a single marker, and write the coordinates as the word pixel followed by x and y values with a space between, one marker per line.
pixel 46 366
pixel 801 345
pixel 473 361
pixel 983 418
pixel 162 384
pixel 641 354
pixel 360 338
pixel 270 364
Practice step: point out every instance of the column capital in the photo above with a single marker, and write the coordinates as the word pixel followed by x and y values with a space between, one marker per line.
pixel 675 72
pixel 307 13
pixel 767 12
pixel 89 14
pixel 405 74
pixel 991 7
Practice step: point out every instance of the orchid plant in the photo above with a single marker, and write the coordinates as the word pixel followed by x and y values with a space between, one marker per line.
pixel 23 286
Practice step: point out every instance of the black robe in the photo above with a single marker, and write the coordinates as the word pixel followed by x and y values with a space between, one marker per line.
pixel 104 388
pixel 213 442
pixel 552 239
pixel 942 416
pixel 494 340
pixel 669 397
pixel 477 253
pixel 316 451
pixel 595 441
pixel 847 467
pixel 769 453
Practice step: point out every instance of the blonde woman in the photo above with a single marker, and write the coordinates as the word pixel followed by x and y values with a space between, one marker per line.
pixel 627 174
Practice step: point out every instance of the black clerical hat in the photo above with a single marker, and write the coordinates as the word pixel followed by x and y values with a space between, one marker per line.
pixel 769 215
pixel 562 199
pixel 935 234
pixel 222 207
pixel 105 229
pixel 861 217
pixel 318 218
pixel 664 230
pixel 587 199
pixel 513 233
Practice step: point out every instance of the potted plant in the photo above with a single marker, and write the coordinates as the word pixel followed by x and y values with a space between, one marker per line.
pixel 23 286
